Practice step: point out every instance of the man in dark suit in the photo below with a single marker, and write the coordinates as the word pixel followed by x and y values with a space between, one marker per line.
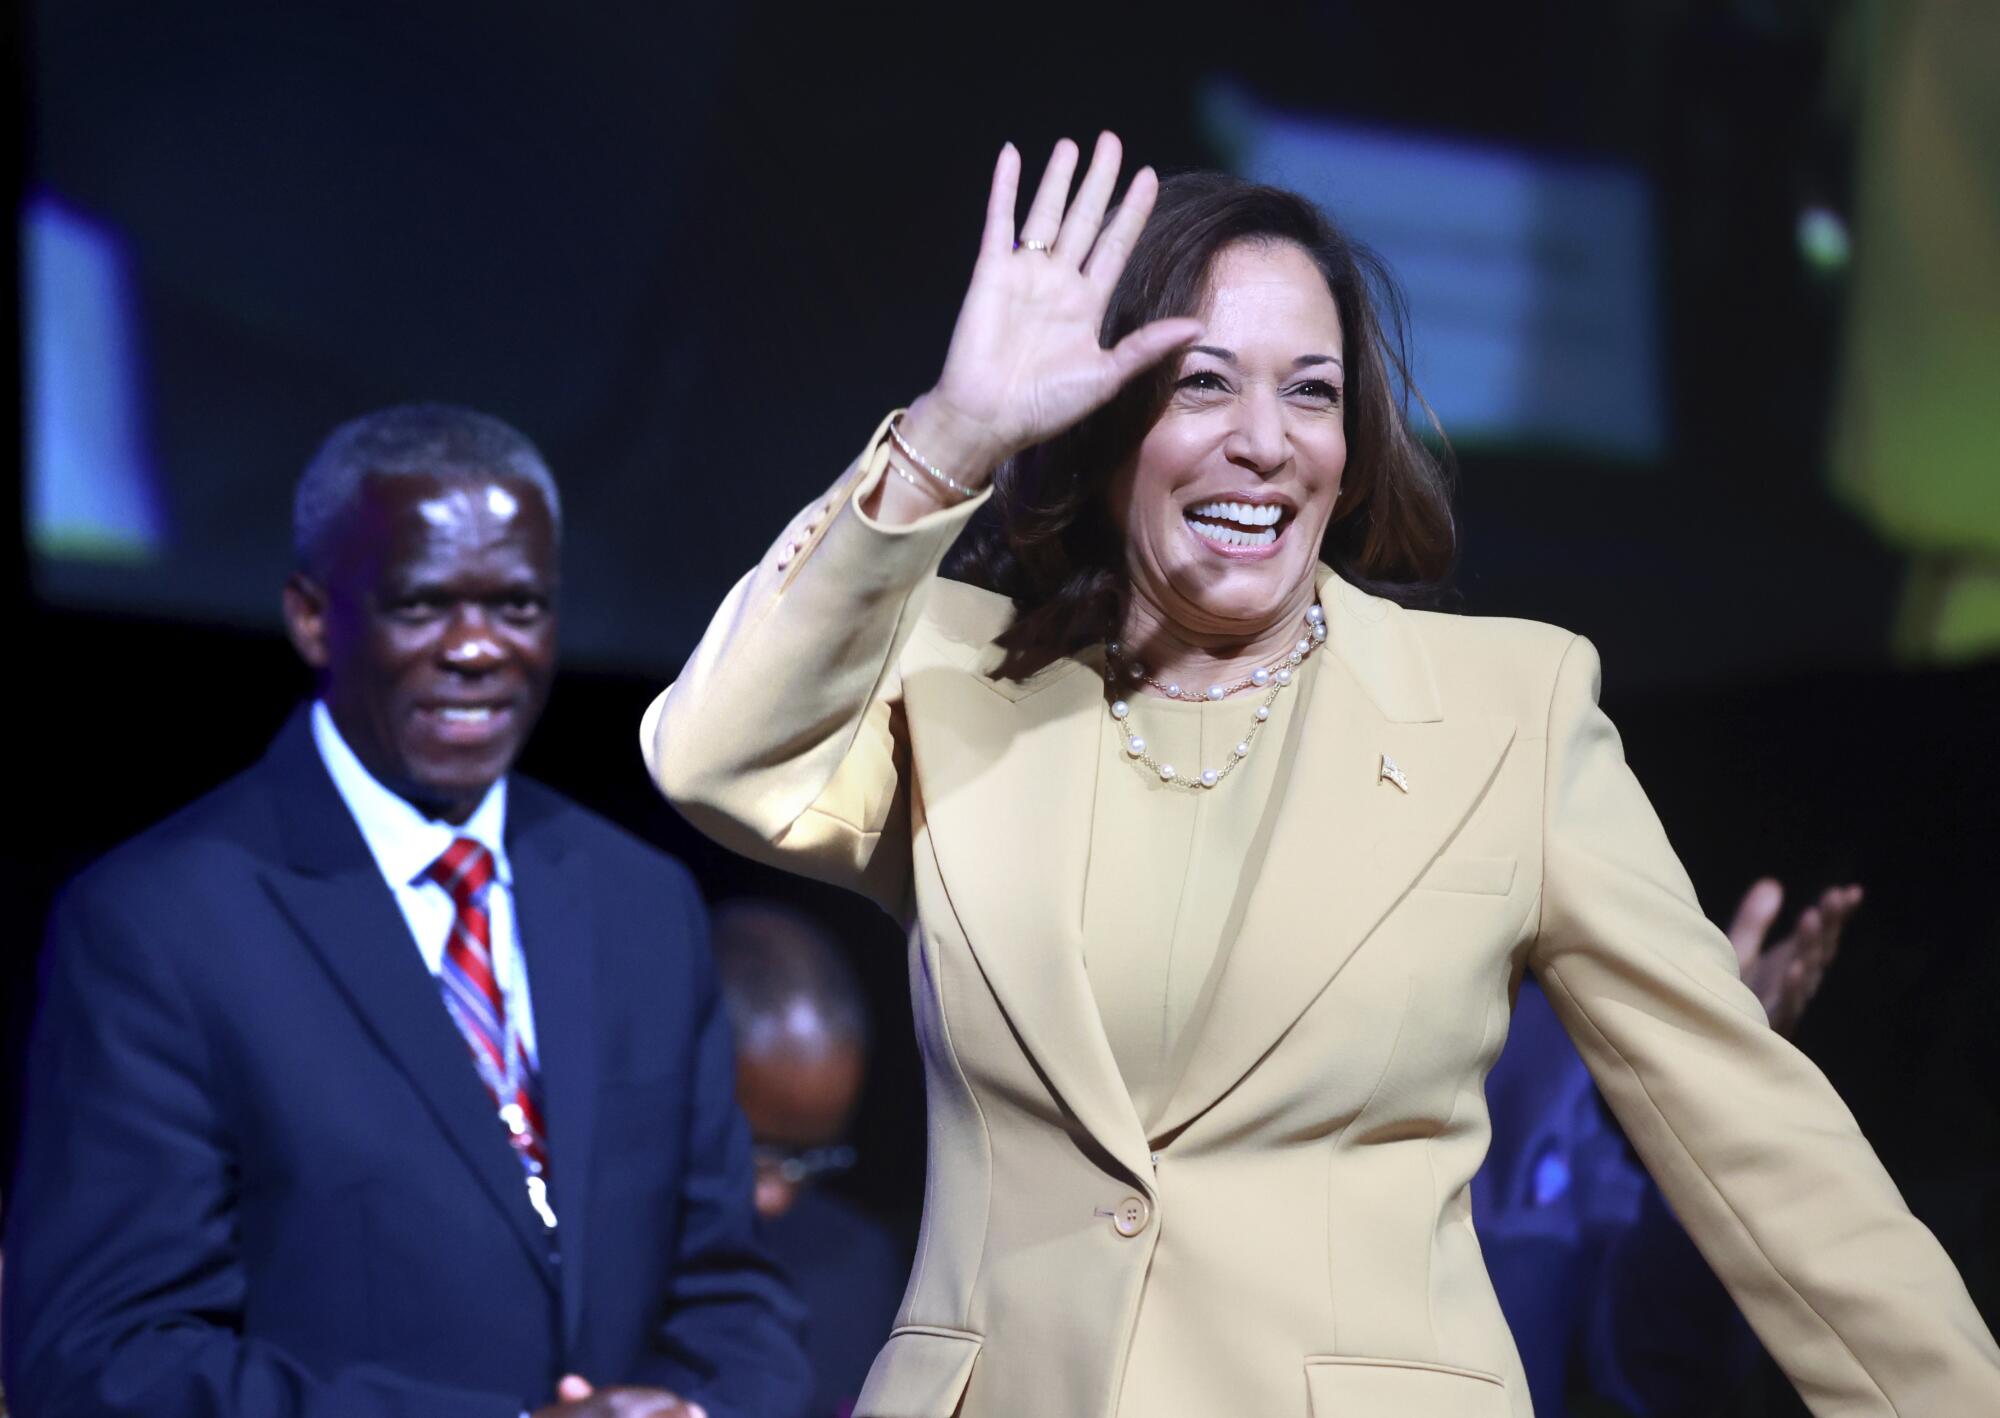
pixel 801 1025
pixel 379 1082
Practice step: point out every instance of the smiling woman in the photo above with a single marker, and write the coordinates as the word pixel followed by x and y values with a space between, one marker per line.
pixel 1265 270
pixel 1222 863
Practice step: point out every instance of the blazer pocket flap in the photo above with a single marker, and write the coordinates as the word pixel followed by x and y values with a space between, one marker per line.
pixel 921 1373
pixel 1479 876
pixel 1341 1387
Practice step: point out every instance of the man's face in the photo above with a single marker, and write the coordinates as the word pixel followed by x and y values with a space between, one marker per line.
pixel 795 1104
pixel 432 624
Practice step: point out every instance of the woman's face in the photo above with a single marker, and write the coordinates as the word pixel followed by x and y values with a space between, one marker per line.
pixel 1225 503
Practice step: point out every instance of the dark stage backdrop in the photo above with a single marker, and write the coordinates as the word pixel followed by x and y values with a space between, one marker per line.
pixel 697 251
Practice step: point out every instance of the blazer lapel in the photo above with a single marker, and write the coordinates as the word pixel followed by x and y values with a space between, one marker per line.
pixel 552 908
pixel 1009 773
pixel 1347 844
pixel 342 909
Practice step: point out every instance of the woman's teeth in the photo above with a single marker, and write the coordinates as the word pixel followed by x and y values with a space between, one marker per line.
pixel 1231 537
pixel 1244 513
pixel 1255 526
pixel 476 715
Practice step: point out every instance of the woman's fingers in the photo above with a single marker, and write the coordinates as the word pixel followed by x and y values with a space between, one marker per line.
pixel 1114 244
pixel 1045 214
pixel 1149 344
pixel 998 237
pixel 1093 195
pixel 1024 360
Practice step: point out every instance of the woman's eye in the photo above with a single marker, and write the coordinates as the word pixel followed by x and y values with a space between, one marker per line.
pixel 1206 380
pixel 1319 389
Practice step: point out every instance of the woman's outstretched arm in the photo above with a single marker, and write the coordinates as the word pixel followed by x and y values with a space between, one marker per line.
pixel 1763 1164
pixel 783 739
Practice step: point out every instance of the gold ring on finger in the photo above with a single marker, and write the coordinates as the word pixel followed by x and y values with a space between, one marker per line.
pixel 1032 245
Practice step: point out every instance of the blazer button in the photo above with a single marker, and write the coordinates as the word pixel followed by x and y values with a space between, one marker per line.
pixel 1130 1216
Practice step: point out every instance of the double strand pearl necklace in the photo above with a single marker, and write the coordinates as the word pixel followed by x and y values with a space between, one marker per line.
pixel 1273 678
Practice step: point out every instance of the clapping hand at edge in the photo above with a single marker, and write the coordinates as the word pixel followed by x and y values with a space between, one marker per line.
pixel 1786 975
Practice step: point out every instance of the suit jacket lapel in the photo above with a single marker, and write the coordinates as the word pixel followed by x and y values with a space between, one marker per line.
pixel 336 898
pixel 552 908
pixel 1009 773
pixel 1352 839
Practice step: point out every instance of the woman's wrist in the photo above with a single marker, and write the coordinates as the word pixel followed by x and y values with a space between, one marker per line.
pixel 899 498
pixel 936 460
pixel 963 449
pixel 907 462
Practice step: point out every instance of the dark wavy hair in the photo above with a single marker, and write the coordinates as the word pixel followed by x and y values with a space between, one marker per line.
pixel 1047 540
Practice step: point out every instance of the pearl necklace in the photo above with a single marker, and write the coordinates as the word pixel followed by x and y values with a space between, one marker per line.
pixel 1275 678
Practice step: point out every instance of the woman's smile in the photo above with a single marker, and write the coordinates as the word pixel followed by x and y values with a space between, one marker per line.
pixel 1244 528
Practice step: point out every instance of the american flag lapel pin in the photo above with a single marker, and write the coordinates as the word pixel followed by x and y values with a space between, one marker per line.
pixel 1392 774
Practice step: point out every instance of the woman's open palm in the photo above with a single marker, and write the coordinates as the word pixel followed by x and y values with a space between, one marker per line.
pixel 1025 362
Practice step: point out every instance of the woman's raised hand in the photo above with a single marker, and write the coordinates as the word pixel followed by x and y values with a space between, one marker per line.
pixel 1024 362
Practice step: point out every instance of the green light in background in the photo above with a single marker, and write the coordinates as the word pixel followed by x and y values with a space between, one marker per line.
pixel 1824 244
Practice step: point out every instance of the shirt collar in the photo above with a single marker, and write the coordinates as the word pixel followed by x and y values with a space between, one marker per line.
pixel 402 840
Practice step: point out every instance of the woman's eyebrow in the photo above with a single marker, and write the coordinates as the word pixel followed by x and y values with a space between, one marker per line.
pixel 1302 362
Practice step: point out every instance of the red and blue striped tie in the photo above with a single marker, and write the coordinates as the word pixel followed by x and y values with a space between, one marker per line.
pixel 472 996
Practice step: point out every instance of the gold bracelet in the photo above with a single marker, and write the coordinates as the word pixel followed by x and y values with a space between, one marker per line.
pixel 933 470
pixel 928 489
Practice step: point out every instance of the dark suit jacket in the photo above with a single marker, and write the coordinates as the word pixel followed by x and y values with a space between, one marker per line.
pixel 258 1175
pixel 1602 1288
pixel 848 1269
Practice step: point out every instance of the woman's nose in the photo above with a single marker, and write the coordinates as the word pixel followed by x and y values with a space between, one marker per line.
pixel 1258 442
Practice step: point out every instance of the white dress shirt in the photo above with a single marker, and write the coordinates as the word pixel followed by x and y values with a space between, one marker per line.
pixel 404 843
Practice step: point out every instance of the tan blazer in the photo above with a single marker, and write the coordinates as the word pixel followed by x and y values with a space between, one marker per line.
pixel 1295 1238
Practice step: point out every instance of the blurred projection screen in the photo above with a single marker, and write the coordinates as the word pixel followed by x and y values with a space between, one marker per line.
pixel 1531 278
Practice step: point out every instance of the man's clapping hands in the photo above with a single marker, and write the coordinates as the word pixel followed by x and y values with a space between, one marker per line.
pixel 576 1398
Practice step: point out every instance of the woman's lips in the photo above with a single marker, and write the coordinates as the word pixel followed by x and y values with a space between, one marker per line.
pixel 1239 530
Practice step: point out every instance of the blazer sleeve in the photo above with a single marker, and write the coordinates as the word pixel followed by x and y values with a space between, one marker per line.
pixel 1764 1165
pixel 783 737
pixel 124 1286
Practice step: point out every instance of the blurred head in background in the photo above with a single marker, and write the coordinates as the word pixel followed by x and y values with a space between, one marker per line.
pixel 801 1027
pixel 426 540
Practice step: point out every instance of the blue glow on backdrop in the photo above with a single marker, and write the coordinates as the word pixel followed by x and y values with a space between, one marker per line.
pixel 1530 278
pixel 92 489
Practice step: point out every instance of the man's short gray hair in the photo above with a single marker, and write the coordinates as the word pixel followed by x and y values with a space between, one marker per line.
pixel 438 440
